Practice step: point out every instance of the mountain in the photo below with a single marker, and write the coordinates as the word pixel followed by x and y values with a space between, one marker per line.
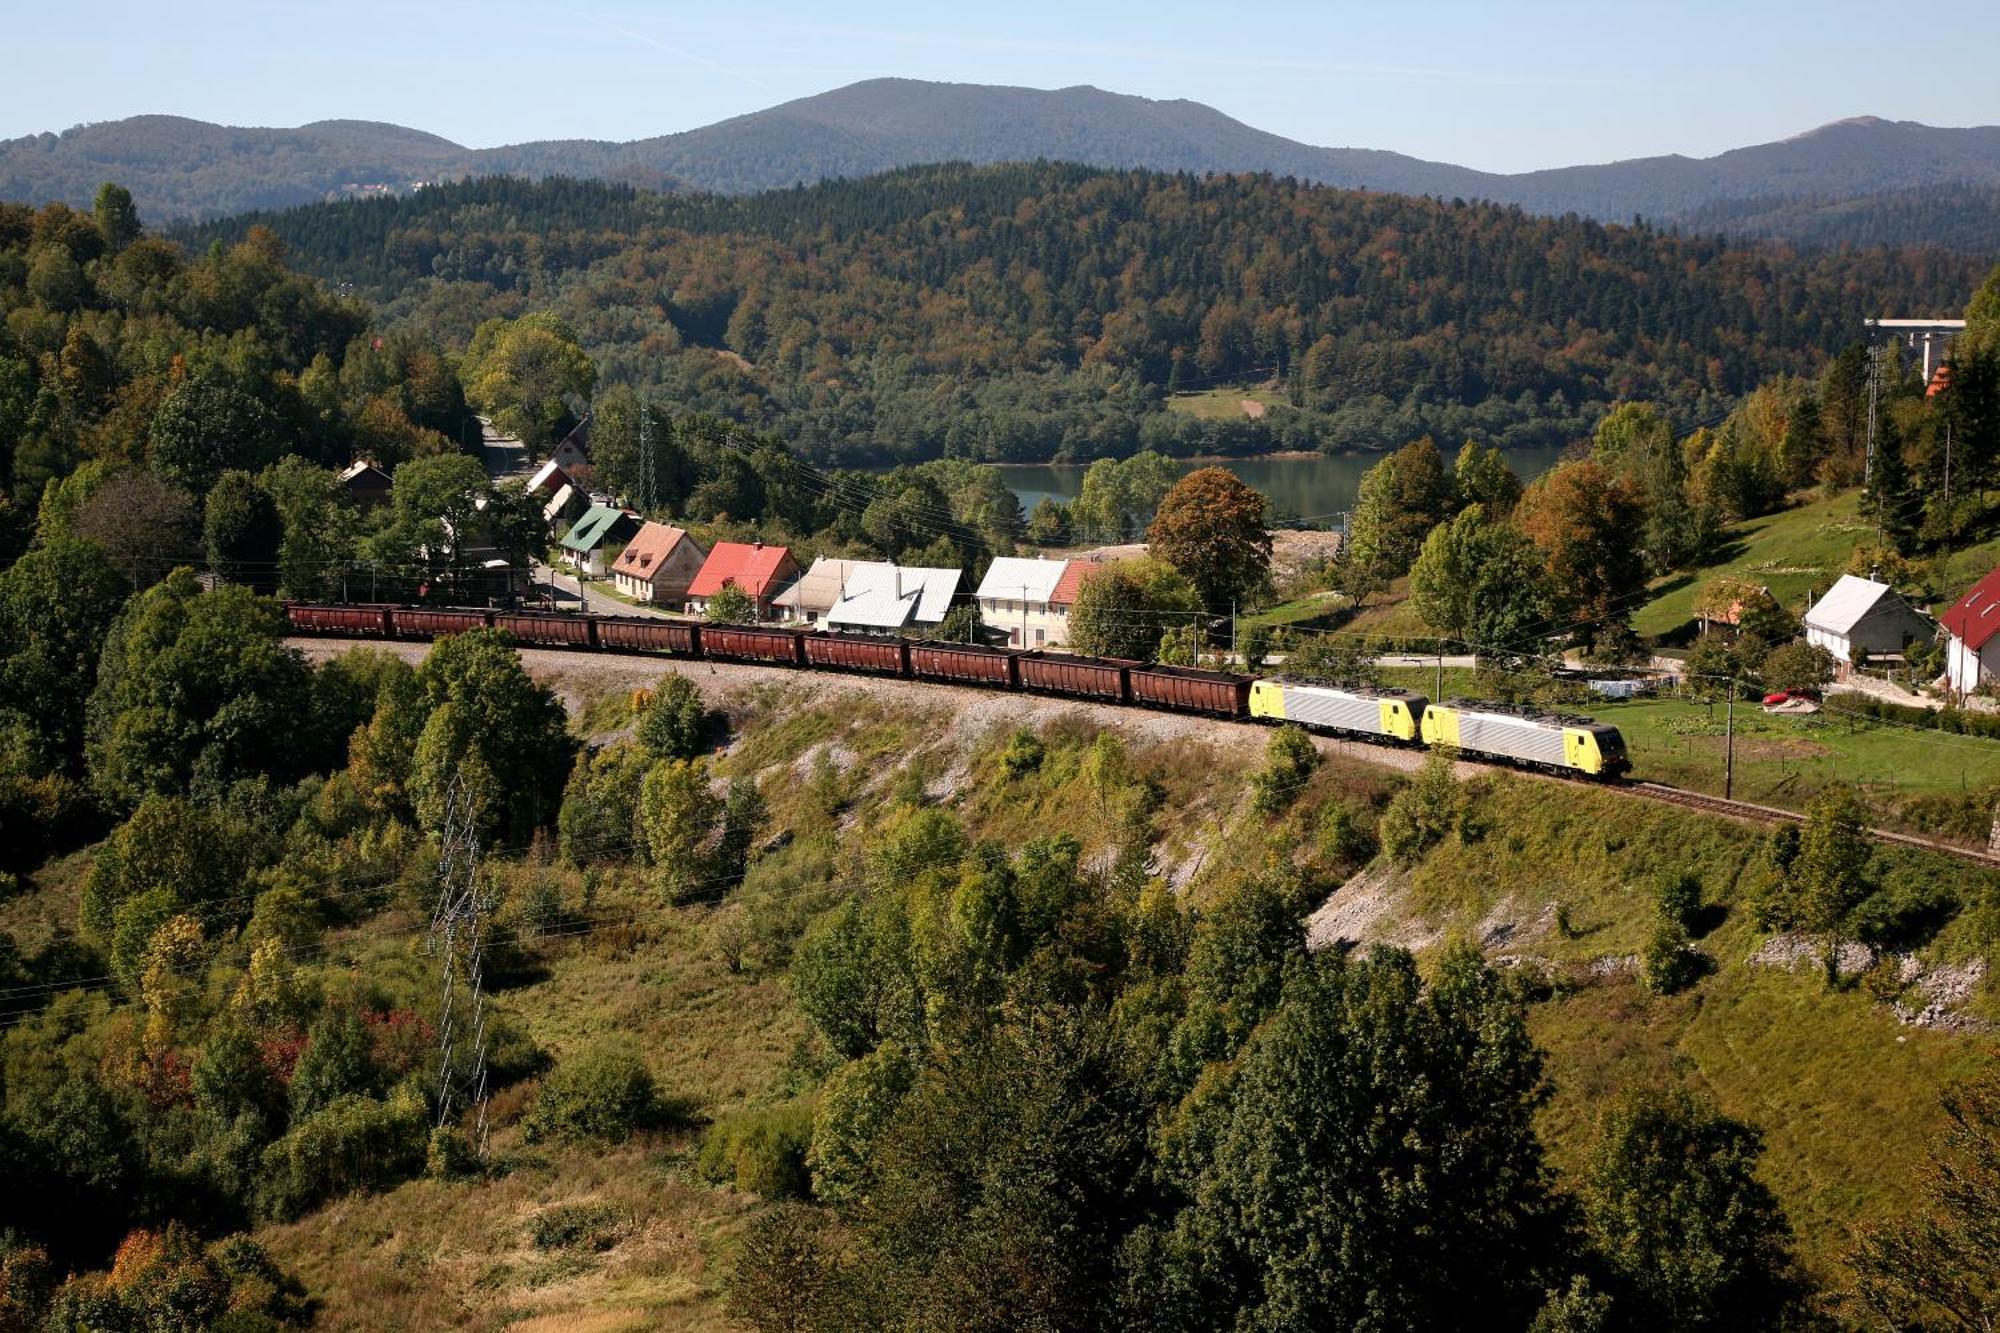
pixel 182 168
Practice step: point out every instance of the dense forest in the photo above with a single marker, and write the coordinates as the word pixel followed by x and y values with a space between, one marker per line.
pixel 1029 312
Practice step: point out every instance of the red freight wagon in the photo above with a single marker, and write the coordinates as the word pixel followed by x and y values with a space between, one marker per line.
pixel 649 634
pixel 1187 690
pixel 1078 677
pixel 546 628
pixel 857 652
pixel 745 643
pixel 316 618
pixel 965 663
pixel 431 622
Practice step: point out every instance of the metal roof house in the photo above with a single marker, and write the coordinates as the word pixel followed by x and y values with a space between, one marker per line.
pixel 1973 655
pixel 658 564
pixel 815 592
pixel 757 569
pixel 601 527
pixel 1019 595
pixel 1858 617
pixel 548 479
pixel 881 598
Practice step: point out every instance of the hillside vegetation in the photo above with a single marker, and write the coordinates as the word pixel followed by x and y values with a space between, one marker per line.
pixel 1023 313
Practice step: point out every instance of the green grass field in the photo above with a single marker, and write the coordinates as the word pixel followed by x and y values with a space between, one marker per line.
pixel 1224 404
pixel 1796 553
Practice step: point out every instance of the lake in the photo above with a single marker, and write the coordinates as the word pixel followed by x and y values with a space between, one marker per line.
pixel 1317 488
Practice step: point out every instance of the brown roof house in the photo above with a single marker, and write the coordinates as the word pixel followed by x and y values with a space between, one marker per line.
pixel 658 564
pixel 366 484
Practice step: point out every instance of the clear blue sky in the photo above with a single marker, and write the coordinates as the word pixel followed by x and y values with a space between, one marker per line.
pixel 1498 85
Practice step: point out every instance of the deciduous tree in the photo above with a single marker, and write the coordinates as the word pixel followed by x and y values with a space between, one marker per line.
pixel 1211 528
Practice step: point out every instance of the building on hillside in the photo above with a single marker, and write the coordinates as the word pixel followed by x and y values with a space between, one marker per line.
pixel 759 570
pixel 547 479
pixel 602 529
pixel 1860 618
pixel 366 484
pixel 572 451
pixel 1018 596
pixel 1972 653
pixel 883 598
pixel 658 564
pixel 564 508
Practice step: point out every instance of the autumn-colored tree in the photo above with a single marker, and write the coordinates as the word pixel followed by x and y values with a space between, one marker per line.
pixel 1125 609
pixel 1586 523
pixel 524 373
pixel 1211 528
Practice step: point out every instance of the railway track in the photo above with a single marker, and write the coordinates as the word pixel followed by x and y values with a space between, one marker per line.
pixel 1745 811
pixel 1770 814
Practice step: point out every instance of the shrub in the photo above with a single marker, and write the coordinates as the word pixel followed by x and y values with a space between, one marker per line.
pixel 1289 762
pixel 675 724
pixel 1671 962
pixel 1343 839
pixel 1023 755
pixel 1423 812
pixel 761 1152
pixel 604 1093
pixel 356 1143
pixel 1678 898
pixel 576 1226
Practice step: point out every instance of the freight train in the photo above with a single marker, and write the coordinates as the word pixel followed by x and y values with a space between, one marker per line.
pixel 1523 737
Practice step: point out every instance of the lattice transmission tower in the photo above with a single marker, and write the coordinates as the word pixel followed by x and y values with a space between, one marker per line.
pixel 457 940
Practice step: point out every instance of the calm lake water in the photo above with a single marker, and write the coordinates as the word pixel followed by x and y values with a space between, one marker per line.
pixel 1316 489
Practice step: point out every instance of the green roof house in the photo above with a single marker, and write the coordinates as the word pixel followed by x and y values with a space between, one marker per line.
pixel 601 528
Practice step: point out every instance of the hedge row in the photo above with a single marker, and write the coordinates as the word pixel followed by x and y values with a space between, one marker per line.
pixel 1956 720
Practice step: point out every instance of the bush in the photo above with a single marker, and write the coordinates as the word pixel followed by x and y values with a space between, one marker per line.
pixel 1343 839
pixel 1678 898
pixel 675 723
pixel 576 1226
pixel 1023 755
pixel 356 1143
pixel 1423 812
pixel 761 1152
pixel 1671 961
pixel 1289 763
pixel 604 1093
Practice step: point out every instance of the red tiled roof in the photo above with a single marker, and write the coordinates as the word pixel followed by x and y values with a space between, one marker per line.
pixel 645 553
pixel 1975 617
pixel 751 568
pixel 1064 593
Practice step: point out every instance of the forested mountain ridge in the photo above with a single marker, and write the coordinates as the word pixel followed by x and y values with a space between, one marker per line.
pixel 180 168
pixel 1024 312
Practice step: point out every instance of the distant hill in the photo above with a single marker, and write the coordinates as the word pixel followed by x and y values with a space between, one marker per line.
pixel 182 169
pixel 1957 216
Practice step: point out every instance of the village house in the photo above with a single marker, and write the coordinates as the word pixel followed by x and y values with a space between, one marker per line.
pixel 366 484
pixel 882 598
pixel 810 596
pixel 658 565
pixel 759 570
pixel 564 508
pixel 548 479
pixel 601 529
pixel 1972 653
pixel 1018 596
pixel 1859 618
pixel 572 451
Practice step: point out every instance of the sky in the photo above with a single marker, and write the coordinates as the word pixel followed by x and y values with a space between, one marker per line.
pixel 1498 86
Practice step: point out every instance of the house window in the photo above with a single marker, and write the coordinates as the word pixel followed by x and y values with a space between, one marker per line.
pixel 1013 638
pixel 1040 638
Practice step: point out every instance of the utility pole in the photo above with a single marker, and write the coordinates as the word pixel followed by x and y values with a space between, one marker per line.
pixel 456 940
pixel 1729 745
pixel 1437 692
pixel 648 483
pixel 1950 525
pixel 1868 462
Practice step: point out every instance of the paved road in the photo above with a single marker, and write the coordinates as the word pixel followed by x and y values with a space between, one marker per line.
pixel 565 585
pixel 502 455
